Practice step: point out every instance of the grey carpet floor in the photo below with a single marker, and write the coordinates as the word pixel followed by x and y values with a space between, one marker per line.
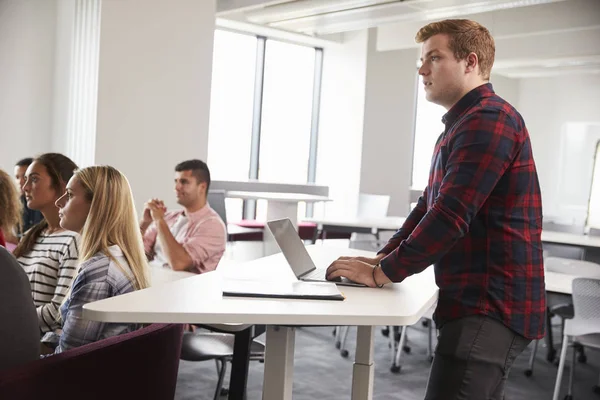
pixel 321 373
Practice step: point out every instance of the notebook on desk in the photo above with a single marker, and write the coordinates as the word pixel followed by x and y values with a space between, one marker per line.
pixel 285 290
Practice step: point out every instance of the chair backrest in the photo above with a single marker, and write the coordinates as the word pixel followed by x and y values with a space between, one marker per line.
pixel 19 329
pixel 372 205
pixel 586 298
pixel 142 364
pixel 572 267
pixel 594 232
pixel 216 199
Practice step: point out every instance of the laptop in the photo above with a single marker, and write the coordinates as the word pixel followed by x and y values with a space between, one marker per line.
pixel 297 256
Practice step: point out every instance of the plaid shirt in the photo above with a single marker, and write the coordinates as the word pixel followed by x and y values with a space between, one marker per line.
pixel 479 220
pixel 98 278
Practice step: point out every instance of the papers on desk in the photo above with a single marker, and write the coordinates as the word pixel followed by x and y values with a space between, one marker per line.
pixel 286 290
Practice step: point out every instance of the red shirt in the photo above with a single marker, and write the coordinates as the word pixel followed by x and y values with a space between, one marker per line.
pixel 479 221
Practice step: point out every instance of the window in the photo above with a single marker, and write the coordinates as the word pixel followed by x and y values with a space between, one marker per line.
pixel 231 105
pixel 261 120
pixel 286 115
pixel 428 127
pixel 593 216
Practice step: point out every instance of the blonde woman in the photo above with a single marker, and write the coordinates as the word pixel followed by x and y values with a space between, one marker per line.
pixel 99 205
pixel 10 209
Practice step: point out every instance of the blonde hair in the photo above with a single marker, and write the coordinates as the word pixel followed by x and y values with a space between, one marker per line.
pixel 466 37
pixel 10 204
pixel 112 220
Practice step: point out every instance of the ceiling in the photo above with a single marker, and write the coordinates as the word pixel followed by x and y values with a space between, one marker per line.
pixel 533 37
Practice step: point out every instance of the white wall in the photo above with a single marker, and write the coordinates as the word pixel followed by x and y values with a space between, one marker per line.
pixel 389 121
pixel 550 106
pixel 154 90
pixel 341 122
pixel 27 31
pixel 388 124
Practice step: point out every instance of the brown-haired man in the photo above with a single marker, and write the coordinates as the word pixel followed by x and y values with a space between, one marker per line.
pixel 479 222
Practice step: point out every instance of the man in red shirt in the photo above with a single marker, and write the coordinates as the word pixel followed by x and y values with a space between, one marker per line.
pixel 479 222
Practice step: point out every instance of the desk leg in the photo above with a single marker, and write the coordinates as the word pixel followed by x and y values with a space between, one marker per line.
pixel 278 210
pixel 240 365
pixel 362 376
pixel 279 363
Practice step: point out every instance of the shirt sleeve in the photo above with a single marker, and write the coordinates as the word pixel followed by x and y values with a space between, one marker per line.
pixel 77 331
pixel 48 313
pixel 149 239
pixel 206 245
pixel 409 225
pixel 479 153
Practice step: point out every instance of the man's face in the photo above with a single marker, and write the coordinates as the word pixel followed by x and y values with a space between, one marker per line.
pixel 442 74
pixel 187 189
pixel 20 176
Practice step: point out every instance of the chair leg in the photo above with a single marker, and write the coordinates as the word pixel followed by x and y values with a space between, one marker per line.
pixel 561 367
pixel 343 350
pixel 396 362
pixel 529 370
pixel 571 374
pixel 222 368
pixel 549 340
pixel 430 340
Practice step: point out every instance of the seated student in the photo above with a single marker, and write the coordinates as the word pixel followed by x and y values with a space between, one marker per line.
pixel 192 239
pixel 47 252
pixel 29 217
pixel 99 205
pixel 10 209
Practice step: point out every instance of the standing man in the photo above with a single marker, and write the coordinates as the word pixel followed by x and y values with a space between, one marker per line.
pixel 30 217
pixel 479 222
pixel 192 239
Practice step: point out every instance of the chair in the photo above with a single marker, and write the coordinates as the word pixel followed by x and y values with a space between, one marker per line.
pixel 399 345
pixel 204 346
pixel 564 251
pixel 137 365
pixel 19 330
pixel 583 328
pixel 560 305
pixel 235 233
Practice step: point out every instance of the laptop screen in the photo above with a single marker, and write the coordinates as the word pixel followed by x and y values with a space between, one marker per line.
pixel 291 246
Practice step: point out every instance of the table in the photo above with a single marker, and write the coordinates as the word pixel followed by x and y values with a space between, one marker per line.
pixel 355 224
pixel 199 300
pixel 572 239
pixel 280 205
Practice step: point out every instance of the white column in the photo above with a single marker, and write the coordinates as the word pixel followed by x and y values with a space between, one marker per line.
pixel 76 79
pixel 154 89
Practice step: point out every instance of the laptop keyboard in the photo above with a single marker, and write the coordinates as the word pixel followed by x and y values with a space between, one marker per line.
pixel 317 274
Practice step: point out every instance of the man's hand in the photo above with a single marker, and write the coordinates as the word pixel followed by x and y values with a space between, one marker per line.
pixel 370 261
pixel 356 270
pixel 157 210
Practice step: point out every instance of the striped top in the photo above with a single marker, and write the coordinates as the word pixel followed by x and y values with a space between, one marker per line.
pixel 98 278
pixel 50 266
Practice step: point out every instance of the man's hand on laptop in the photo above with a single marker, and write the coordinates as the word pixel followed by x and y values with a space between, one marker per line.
pixel 368 260
pixel 354 269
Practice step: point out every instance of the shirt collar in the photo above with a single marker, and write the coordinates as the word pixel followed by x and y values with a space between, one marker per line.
pixel 197 215
pixel 466 102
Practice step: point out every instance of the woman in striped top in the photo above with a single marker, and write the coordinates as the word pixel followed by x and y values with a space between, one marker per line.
pixel 47 252
pixel 98 204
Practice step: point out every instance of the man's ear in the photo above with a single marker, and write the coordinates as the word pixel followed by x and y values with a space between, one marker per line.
pixel 472 62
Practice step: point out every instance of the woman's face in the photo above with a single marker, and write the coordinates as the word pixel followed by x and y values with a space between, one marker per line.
pixel 38 190
pixel 73 206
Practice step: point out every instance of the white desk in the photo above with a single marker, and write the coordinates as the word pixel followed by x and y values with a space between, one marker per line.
pixel 199 300
pixel 280 205
pixel 559 283
pixel 358 224
pixel 572 239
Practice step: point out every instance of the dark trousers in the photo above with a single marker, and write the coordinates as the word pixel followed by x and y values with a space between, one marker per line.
pixel 472 359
